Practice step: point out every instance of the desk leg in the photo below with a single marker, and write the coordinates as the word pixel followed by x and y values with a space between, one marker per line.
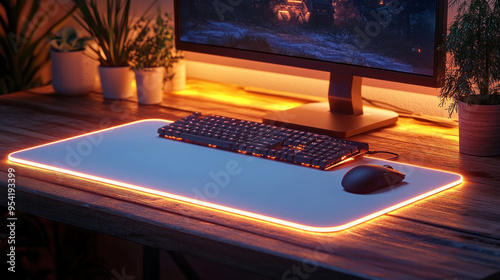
pixel 151 263
pixel 184 266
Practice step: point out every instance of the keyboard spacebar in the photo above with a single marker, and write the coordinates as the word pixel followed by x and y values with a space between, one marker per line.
pixel 207 140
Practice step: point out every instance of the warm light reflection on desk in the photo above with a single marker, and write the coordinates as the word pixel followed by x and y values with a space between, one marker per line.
pixel 235 96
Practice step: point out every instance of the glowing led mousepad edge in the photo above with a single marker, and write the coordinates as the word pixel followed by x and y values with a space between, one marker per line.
pixel 304 216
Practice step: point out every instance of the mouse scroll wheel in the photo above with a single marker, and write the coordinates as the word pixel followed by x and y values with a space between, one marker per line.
pixel 388 166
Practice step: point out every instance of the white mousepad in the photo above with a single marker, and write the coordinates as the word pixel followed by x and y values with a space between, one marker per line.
pixel 134 156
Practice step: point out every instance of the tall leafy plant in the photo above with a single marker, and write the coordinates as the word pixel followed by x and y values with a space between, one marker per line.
pixel 473 45
pixel 112 29
pixel 24 52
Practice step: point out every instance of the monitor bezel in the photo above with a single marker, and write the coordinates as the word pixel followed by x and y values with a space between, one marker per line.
pixel 435 81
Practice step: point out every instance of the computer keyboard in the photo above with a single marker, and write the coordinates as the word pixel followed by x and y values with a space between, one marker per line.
pixel 262 140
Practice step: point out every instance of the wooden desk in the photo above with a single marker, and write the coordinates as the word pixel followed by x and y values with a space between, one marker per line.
pixel 453 235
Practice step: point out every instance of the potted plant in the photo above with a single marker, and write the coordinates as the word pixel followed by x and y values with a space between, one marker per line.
pixel 73 71
pixel 150 55
pixel 473 75
pixel 113 31
pixel 176 72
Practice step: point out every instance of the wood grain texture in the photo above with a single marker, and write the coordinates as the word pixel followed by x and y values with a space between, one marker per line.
pixel 453 235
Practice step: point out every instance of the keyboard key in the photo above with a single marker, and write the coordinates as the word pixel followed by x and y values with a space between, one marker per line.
pixel 306 159
pixel 206 140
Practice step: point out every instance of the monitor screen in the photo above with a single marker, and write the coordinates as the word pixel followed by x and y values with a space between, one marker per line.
pixel 395 40
pixel 397 35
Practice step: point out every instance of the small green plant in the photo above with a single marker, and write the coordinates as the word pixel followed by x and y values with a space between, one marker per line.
pixel 155 44
pixel 176 56
pixel 473 45
pixel 112 29
pixel 66 40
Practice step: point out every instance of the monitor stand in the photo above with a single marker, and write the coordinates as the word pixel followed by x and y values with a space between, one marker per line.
pixel 343 116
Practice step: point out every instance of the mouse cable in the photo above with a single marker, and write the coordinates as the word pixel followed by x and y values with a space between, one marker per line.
pixel 395 155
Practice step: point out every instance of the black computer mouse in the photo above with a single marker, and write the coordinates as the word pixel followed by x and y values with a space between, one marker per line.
pixel 368 178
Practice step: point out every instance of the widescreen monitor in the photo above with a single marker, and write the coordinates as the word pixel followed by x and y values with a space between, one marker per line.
pixel 394 40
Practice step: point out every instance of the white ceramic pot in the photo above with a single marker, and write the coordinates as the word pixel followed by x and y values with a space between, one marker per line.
pixel 178 81
pixel 479 129
pixel 150 84
pixel 73 73
pixel 116 82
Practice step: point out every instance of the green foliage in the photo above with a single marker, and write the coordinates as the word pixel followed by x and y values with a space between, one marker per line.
pixel 66 40
pixel 473 45
pixel 23 49
pixel 154 46
pixel 111 28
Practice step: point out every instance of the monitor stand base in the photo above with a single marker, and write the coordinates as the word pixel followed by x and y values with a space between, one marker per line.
pixel 317 118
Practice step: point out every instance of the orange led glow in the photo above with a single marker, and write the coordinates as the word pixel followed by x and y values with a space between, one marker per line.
pixel 339 163
pixel 238 96
pixel 228 97
pixel 12 157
